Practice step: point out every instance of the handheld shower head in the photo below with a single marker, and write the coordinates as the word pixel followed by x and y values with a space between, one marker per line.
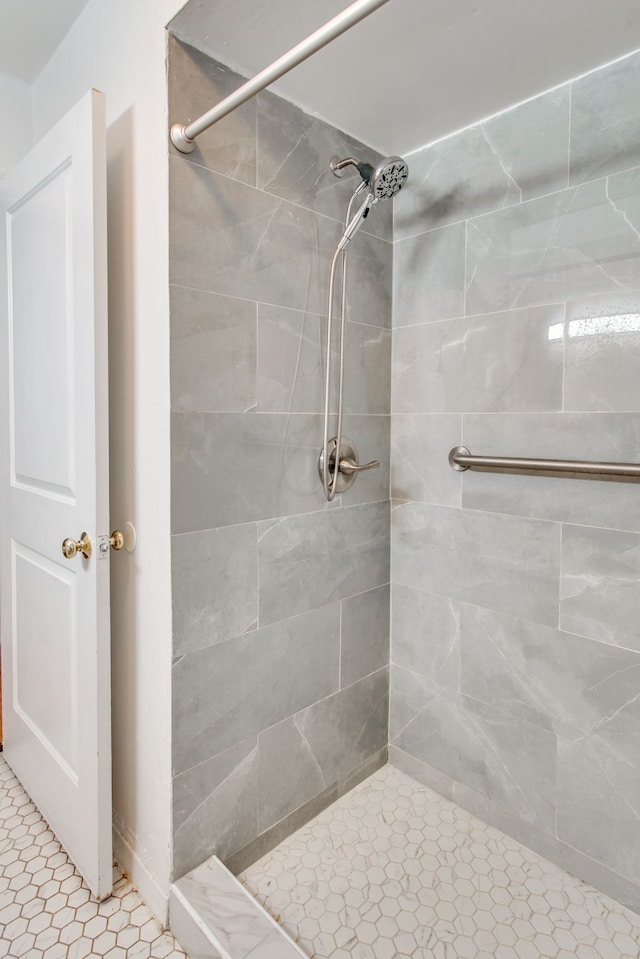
pixel 358 219
pixel 384 181
pixel 387 179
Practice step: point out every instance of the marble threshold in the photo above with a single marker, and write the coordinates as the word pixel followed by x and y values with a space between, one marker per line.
pixel 213 916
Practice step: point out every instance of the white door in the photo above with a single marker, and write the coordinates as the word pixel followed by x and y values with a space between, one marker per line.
pixel 54 484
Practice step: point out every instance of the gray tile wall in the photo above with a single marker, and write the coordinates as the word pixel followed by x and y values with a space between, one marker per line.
pixel 280 602
pixel 516 598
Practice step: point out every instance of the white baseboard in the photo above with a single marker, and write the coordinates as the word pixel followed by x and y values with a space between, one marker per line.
pixel 128 859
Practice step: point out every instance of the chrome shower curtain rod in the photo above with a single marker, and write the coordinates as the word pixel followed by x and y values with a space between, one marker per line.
pixel 183 136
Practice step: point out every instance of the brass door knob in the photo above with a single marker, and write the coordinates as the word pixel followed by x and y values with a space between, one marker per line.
pixel 71 547
pixel 116 540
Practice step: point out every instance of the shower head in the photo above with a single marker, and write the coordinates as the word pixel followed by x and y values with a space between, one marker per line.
pixel 381 182
pixel 384 181
pixel 387 178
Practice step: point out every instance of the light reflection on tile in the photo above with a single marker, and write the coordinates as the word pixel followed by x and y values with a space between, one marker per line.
pixel 601 370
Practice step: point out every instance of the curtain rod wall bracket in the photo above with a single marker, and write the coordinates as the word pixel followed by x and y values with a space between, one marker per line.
pixel 180 139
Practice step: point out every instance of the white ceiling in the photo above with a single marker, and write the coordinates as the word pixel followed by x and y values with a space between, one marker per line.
pixel 30 31
pixel 416 70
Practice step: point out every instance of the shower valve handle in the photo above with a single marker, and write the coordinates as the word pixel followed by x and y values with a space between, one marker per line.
pixel 342 479
pixel 349 466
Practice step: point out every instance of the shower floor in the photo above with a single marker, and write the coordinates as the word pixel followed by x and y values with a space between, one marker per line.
pixel 392 870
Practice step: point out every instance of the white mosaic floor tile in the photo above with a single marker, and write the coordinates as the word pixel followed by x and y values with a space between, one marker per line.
pixel 392 871
pixel 46 910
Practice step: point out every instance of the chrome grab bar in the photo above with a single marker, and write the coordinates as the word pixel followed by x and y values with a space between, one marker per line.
pixel 460 458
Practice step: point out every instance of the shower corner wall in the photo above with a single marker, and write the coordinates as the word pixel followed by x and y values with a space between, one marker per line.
pixel 515 647
pixel 280 600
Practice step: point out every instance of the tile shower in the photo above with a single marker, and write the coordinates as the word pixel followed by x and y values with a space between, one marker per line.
pixel 515 650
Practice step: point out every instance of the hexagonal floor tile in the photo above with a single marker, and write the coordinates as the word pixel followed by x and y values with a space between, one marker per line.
pixel 442 882
pixel 47 911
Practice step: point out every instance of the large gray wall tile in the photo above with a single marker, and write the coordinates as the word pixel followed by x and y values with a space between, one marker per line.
pixel 305 562
pixel 562 682
pixel 364 634
pixel 214 577
pixel 420 445
pixel 226 693
pixel 227 237
pixel 290 370
pixel 370 276
pixel 611 437
pixel 605 125
pixel 231 468
pixel 321 745
pixel 291 366
pixel 367 371
pixel 196 83
pixel 213 351
pixel 599 790
pixel 490 363
pixel 289 777
pixel 573 243
pixel 501 562
pixel 600 583
pixel 215 807
pixel 519 154
pixel 425 635
pixel 429 276
pixel 481 747
pixel 531 142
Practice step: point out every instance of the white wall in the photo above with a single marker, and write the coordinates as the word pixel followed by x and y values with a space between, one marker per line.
pixel 119 47
pixel 16 121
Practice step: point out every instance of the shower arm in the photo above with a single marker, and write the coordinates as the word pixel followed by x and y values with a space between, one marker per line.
pixel 183 136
